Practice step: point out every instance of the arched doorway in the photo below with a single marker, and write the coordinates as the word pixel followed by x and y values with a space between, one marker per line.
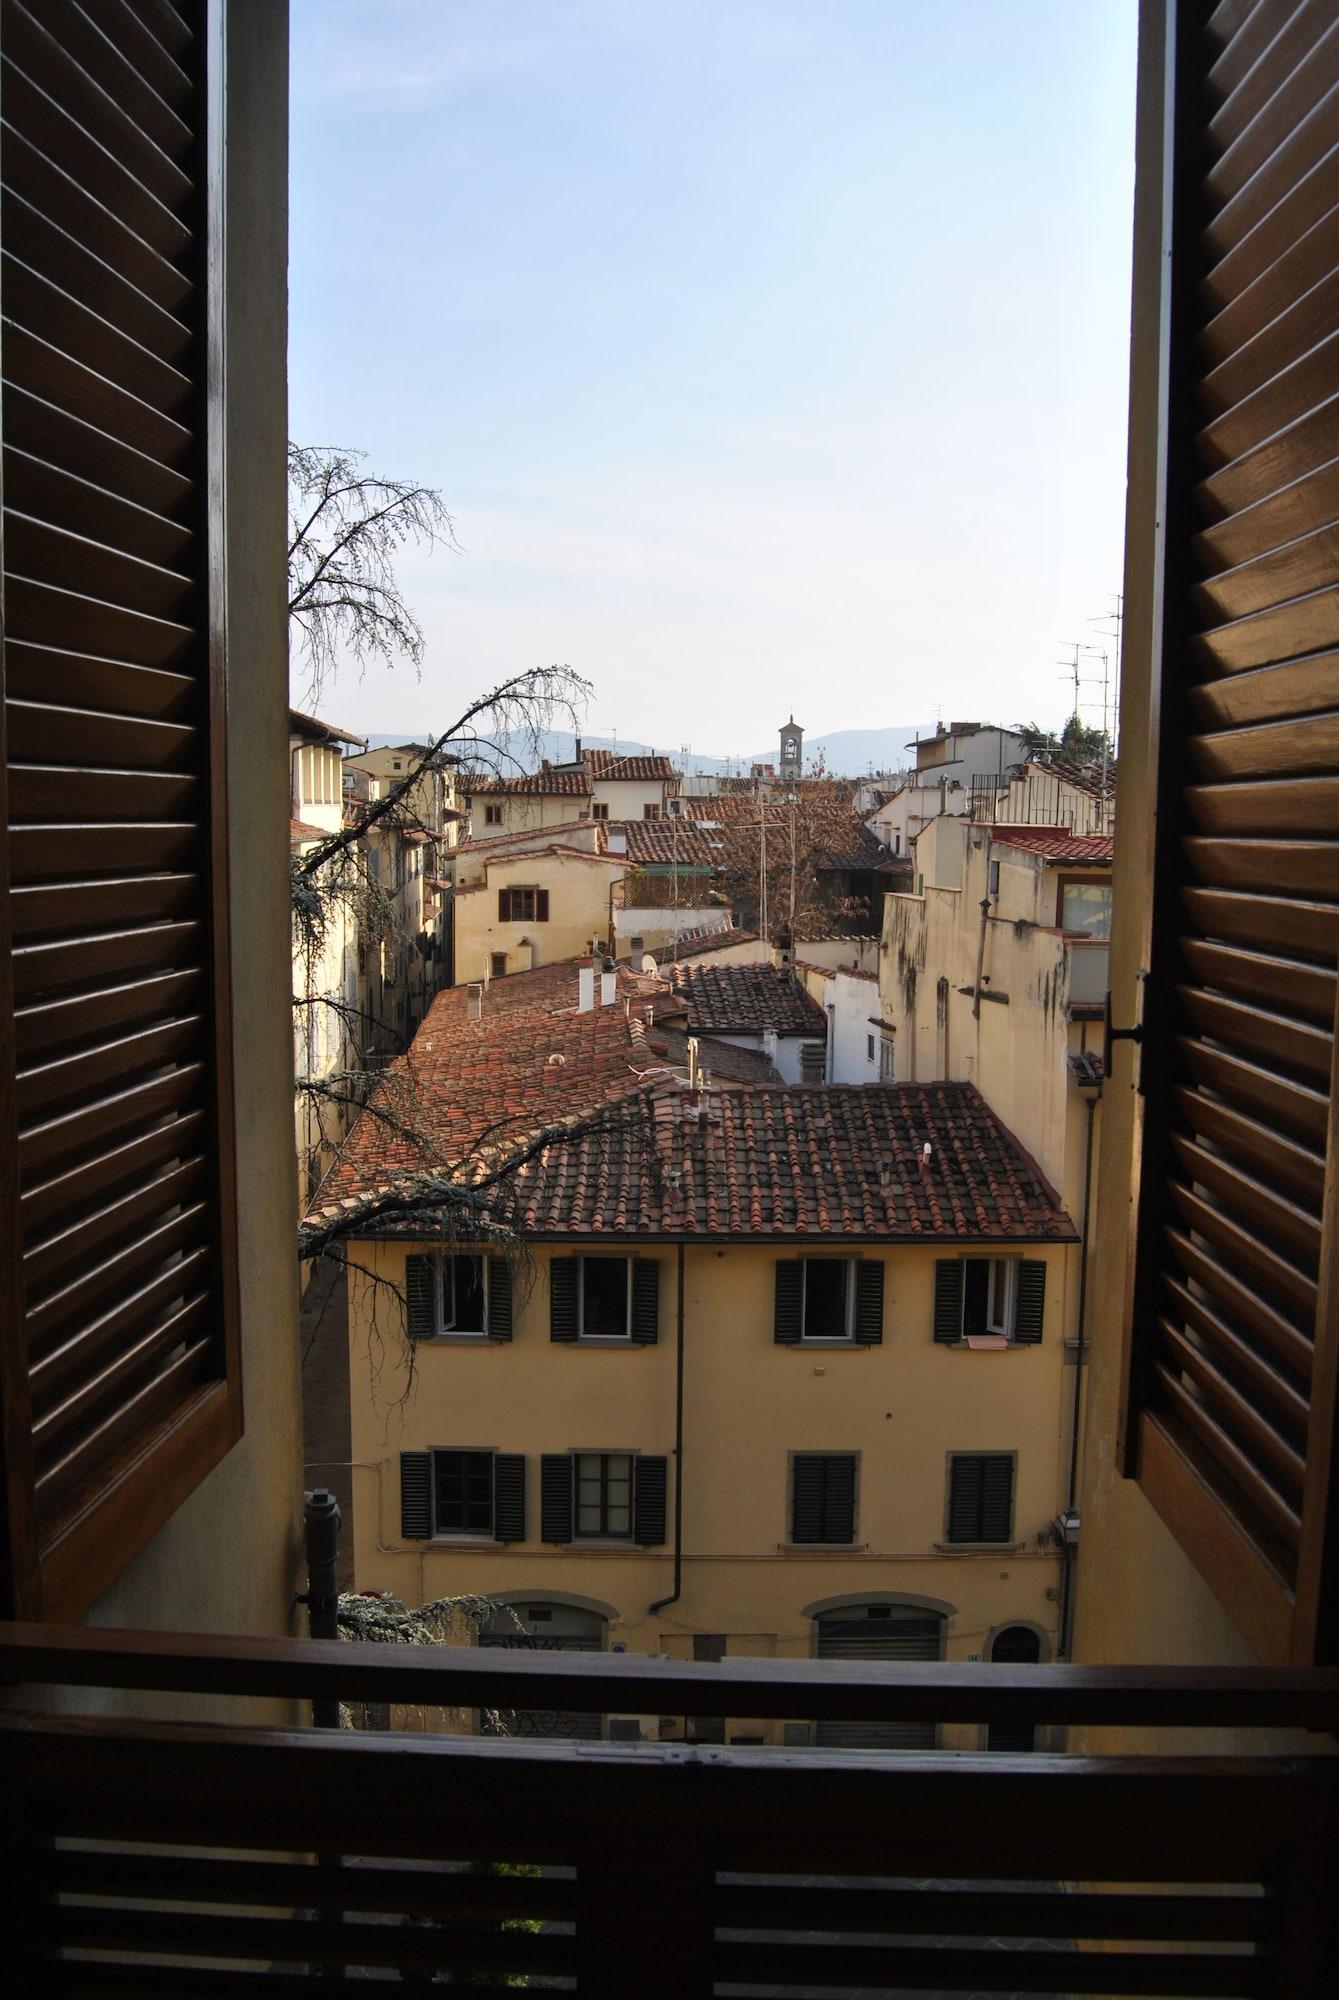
pixel 1013 1645
pixel 533 1625
pixel 878 1632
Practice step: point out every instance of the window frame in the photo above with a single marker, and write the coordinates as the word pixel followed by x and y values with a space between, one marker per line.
pixel 1011 1266
pixel 651 810
pixel 1083 881
pixel 619 1536
pixel 492 815
pixel 613 1339
pixel 464 1534
pixel 887 1059
pixel 599 809
pixel 846 1339
pixel 440 1259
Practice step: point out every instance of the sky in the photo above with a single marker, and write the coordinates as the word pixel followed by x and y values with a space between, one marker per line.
pixel 770 355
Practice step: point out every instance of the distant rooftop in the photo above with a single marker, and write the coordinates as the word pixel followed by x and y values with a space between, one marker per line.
pixel 1056 843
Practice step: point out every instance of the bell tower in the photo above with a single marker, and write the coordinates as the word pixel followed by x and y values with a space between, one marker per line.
pixel 792 751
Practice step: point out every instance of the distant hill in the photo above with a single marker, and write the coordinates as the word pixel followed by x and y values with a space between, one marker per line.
pixel 848 753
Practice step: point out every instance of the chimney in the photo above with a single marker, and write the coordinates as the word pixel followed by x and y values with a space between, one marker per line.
pixel 576 751
pixel 585 988
pixel 474 1002
pixel 608 988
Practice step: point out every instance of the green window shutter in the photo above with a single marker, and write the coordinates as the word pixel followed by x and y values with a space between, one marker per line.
pixel 869 1301
pixel 822 1497
pixel 1030 1303
pixel 420 1294
pixel 788 1316
pixel 499 1299
pixel 839 1498
pixel 997 1497
pixel 555 1497
pixel 980 1497
pixel 416 1496
pixel 948 1299
pixel 563 1298
pixel 645 1300
pixel 509 1496
pixel 650 1475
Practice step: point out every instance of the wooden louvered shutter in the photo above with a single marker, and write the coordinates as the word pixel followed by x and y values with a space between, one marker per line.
pixel 650 1474
pixel 822 1497
pixel 1030 1303
pixel 645 1300
pixel 869 1301
pixel 541 906
pixel 420 1292
pixel 788 1304
pixel 415 1496
pixel 948 1300
pixel 980 1496
pixel 1233 700
pixel 499 1299
pixel 563 1298
pixel 555 1497
pixel 509 1496
pixel 120 1352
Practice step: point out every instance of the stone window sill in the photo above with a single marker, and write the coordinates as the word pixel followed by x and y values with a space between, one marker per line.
pixel 980 1548
pixel 823 1548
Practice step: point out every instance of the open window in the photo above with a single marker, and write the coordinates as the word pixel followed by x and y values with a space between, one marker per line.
pixel 989 1298
pixel 605 1299
pixel 828 1300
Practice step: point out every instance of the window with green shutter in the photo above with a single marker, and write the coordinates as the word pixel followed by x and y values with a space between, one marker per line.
pixel 989 1297
pixel 981 1496
pixel 604 1298
pixel 822 1497
pixel 458 1492
pixel 828 1299
pixel 452 1294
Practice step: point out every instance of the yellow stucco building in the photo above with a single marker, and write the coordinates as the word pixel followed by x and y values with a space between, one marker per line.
pixel 776 1371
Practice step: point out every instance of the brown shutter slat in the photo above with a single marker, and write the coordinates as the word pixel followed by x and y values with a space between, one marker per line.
pixel 47 312
pixel 1265 694
pixel 1291 867
pixel 63 378
pixel 85 94
pixel 1277 1392
pixel 66 441
pixel 1266 923
pixel 1287 1465
pixel 1261 1148
pixel 80 1018
pixel 39 244
pixel 1302 447
pixel 43 853
pixel 1303 1050
pixel 41 1090
pixel 62 1200
pixel 108 1283
pixel 57 558
pixel 1278 1218
pixel 110 66
pixel 1242 32
pixel 80 212
pixel 50 911
pixel 78 680
pixel 153 1399
pixel 102 1391
pixel 1307 990
pixel 60 1144
pixel 1210 1433
pixel 47 1257
pixel 152 54
pixel 154 746
pixel 85 509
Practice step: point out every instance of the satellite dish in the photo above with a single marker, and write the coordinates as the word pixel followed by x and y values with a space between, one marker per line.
pixel 648 963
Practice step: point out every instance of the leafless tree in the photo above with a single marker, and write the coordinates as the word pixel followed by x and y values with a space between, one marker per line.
pixel 345 529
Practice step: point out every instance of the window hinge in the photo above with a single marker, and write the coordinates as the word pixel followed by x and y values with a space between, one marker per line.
pixel 1135 1034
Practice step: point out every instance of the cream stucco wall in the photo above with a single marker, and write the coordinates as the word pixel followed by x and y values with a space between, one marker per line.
pixel 229 1559
pixel 748 1402
pixel 523 812
pixel 628 798
pixel 578 888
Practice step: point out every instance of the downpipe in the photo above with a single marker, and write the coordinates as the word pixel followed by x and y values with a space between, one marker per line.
pixel 677 1592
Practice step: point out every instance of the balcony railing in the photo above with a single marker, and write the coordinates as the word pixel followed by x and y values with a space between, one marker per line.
pixel 162 1856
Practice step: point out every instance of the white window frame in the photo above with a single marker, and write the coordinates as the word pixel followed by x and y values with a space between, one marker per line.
pixel 887 1059
pixel 827 1339
pixel 440 1330
pixel 617 1537
pixel 871 1053
pixel 626 1334
pixel 599 809
pixel 993 1328
pixel 492 815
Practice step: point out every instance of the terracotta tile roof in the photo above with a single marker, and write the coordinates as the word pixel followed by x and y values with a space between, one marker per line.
pixel 605 765
pixel 777 1162
pixel 1085 777
pixel 828 821
pixel 1056 843
pixel 301 829
pixel 518 838
pixel 690 949
pixel 723 1062
pixel 663 842
pixel 534 784
pixel 747 999
pixel 311 726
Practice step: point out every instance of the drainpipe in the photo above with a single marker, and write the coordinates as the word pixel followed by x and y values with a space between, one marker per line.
pixel 1067 1576
pixel 980 959
pixel 677 1591
pixel 321 1522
